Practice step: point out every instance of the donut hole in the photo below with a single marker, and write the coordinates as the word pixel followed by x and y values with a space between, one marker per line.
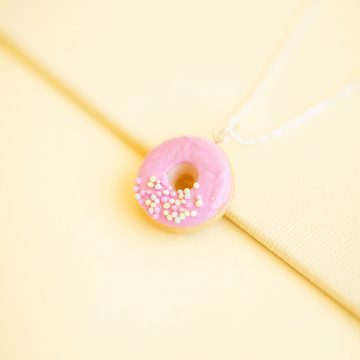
pixel 182 176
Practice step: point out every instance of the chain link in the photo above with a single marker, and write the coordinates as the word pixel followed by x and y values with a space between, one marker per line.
pixel 274 69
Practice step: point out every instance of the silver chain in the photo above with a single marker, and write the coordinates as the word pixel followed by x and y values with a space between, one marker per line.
pixel 274 69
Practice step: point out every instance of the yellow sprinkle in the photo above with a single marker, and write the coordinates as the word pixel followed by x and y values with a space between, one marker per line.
pixel 199 203
pixel 150 184
pixel 152 179
pixel 165 212
pixel 177 202
pixel 187 213
pixel 169 217
pixel 187 190
pixel 196 185
pixel 182 216
pixel 147 202
pixel 181 196
pixel 166 205
pixel 153 204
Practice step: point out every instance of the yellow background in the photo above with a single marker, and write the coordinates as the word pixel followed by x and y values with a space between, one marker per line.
pixel 86 89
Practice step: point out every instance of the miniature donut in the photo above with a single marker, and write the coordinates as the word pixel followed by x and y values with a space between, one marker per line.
pixel 185 184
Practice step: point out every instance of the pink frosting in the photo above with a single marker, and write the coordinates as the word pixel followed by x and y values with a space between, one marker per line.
pixel 214 178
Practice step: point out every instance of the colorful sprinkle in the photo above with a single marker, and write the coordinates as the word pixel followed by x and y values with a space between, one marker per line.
pixel 169 217
pixel 182 216
pixel 158 181
pixel 158 193
pixel 166 205
pixel 187 190
pixel 173 193
pixel 180 191
pixel 141 201
pixel 155 216
pixel 150 184
pixel 158 187
pixel 177 220
pixel 152 179
pixel 169 187
pixel 156 201
pixel 165 212
pixel 188 205
pixel 164 199
pixel 151 211
pixel 136 188
pixel 174 214
pixel 153 205
pixel 196 185
pixel 142 192
pixel 148 202
pixel 157 210
pixel 172 201
pixel 187 213
pixel 199 203
pixel 183 201
pixel 193 213
pixel 177 202
pixel 138 180
pixel 166 192
pixel 137 197
pixel 174 207
pixel 181 209
pixel 153 197
pixel 148 191
pixel 181 196
pixel 187 196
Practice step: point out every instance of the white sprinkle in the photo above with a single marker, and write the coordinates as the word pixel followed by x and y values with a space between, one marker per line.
pixel 166 192
pixel 177 220
pixel 137 197
pixel 193 213
pixel 196 185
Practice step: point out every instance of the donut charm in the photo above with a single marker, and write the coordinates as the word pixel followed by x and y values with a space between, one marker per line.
pixel 185 184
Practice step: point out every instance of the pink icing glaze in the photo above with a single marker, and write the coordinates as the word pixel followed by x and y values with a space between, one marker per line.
pixel 214 178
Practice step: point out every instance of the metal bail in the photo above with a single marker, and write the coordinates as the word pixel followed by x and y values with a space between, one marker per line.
pixel 220 136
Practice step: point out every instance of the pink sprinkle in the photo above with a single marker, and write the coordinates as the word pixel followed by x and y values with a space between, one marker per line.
pixel 155 216
pixel 148 191
pixel 164 199
pixel 181 209
pixel 198 197
pixel 158 193
pixel 158 187
pixel 174 207
pixel 183 201
pixel 172 201
pixel 156 201
pixel 163 182
pixel 142 193
pixel 136 188
pixel 138 180
pixel 188 205
pixel 169 187
pixel 158 181
pixel 173 193
pixel 166 192
pixel 157 210
pixel 151 210
pixel 140 202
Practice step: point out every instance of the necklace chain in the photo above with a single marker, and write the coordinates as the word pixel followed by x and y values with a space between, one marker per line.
pixel 274 69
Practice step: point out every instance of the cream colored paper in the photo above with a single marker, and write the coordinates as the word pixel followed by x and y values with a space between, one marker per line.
pixel 147 75
pixel 164 70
